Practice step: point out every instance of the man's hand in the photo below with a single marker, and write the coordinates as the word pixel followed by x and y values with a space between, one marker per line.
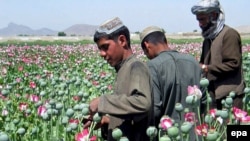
pixel 104 120
pixel 204 68
pixel 87 122
pixel 93 106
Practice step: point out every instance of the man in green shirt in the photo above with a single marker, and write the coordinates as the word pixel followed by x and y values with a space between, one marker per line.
pixel 129 106
pixel 171 72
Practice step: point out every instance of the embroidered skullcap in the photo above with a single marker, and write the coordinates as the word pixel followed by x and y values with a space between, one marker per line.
pixel 145 32
pixel 206 6
pixel 110 26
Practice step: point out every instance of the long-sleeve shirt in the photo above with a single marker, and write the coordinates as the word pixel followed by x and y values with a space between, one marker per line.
pixel 223 57
pixel 129 106
pixel 172 73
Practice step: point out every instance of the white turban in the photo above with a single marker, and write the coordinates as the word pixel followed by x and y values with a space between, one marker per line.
pixel 206 6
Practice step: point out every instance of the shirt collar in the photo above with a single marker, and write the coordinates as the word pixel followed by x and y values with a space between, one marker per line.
pixel 120 64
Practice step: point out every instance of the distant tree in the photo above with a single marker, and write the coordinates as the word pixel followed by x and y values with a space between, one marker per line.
pixel 195 30
pixel 61 34
pixel 137 32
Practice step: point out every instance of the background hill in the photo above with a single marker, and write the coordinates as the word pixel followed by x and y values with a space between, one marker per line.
pixel 243 29
pixel 81 29
pixel 16 30
pixel 75 30
pixel 13 30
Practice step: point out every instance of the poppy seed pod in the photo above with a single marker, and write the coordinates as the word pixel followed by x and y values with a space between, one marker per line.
pixel 152 131
pixel 204 82
pixel 117 133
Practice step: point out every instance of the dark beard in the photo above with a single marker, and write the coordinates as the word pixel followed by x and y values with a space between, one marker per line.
pixel 209 29
pixel 205 28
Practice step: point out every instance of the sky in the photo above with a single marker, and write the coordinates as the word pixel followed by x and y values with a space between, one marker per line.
pixel 172 15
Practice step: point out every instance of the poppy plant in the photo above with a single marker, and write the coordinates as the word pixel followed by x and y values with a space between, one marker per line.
pixel 84 136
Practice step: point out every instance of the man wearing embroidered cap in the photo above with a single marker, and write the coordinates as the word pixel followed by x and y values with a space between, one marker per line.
pixel 129 107
pixel 221 56
pixel 171 73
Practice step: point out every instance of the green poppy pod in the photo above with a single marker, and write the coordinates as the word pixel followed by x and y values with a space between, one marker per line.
pixel 247 90
pixel 164 138
pixel 5 92
pixel 97 118
pixel 152 131
pixel 123 139
pixel 179 107
pixel 68 129
pixel 4 137
pixel 229 100
pixel 21 131
pixel 16 121
pixel 42 93
pixel 34 130
pixel 116 133
pixel 208 118
pixel 204 82
pixel 173 131
pixel 224 113
pixel 43 83
pixel 85 111
pixel 65 120
pixel 191 99
pixel 59 106
pixel 186 127
pixel 232 94
pixel 73 126
pixel 212 136
pixel 70 112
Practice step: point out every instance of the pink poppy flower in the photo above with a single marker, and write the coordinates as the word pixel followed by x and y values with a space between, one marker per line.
pixel 33 98
pixel 26 74
pixel 166 122
pixel 18 80
pixel 109 87
pixel 238 113
pixel 102 74
pixel 4 70
pixel 73 121
pixel 202 129
pixel 3 97
pixel 5 112
pixel 41 110
pixel 212 112
pixel 84 136
pixel 20 68
pixel 245 119
pixel 32 84
pixel 194 90
pixel 190 117
pixel 23 106
pixel 76 98
pixel 95 83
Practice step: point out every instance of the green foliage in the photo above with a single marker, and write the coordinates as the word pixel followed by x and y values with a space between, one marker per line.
pixel 245 41
pixel 44 42
pixel 61 34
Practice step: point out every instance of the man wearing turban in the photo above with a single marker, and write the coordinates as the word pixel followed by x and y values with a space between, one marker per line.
pixel 221 57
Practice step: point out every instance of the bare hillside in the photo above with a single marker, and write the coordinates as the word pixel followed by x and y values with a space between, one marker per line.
pixel 243 29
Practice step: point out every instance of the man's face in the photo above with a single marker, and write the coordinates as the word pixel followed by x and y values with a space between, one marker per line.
pixel 110 50
pixel 204 21
pixel 148 50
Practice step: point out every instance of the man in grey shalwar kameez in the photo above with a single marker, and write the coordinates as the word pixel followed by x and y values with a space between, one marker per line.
pixel 129 106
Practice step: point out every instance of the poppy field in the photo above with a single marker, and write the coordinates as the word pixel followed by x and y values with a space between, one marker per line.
pixel 45 88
